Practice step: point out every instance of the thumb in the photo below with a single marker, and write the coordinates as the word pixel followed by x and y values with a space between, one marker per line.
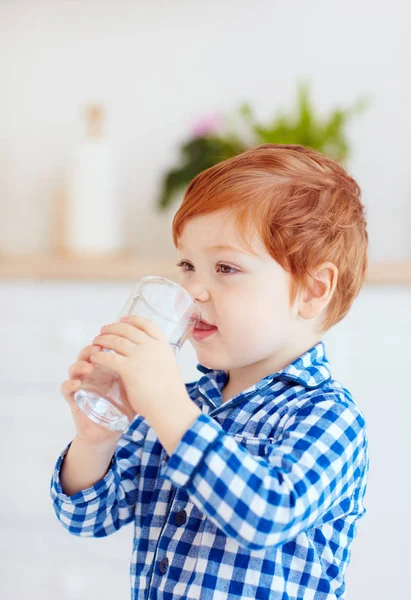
pixel 68 389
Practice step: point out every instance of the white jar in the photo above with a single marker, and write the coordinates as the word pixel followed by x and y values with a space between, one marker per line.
pixel 94 214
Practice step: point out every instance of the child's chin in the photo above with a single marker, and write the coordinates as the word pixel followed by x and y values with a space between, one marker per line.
pixel 209 363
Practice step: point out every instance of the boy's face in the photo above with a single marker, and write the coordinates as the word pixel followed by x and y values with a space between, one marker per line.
pixel 246 297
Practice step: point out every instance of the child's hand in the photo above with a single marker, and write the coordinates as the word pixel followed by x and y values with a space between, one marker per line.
pixel 145 362
pixel 87 431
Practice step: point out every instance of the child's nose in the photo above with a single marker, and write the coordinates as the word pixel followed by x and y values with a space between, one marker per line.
pixel 199 291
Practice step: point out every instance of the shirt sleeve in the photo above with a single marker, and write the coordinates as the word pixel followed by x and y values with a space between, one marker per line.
pixel 266 501
pixel 109 504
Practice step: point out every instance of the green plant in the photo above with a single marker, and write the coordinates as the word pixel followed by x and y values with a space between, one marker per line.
pixel 210 143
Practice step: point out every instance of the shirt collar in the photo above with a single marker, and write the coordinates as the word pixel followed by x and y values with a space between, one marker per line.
pixel 311 370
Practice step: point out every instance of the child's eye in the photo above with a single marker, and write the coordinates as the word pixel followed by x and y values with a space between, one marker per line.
pixel 227 267
pixel 183 263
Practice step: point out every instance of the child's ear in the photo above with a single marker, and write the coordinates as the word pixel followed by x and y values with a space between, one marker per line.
pixel 320 291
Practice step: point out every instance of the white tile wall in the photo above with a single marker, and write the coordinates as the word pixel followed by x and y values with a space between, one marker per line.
pixel 42 328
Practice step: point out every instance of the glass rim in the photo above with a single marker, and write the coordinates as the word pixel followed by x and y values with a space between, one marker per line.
pixel 175 284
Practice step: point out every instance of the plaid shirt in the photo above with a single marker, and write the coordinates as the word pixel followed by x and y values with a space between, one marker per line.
pixel 259 500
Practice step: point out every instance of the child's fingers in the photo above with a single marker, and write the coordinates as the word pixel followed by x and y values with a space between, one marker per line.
pixel 80 367
pixel 68 389
pixel 87 352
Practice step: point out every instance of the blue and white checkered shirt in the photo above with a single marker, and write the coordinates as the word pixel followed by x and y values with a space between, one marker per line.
pixel 260 499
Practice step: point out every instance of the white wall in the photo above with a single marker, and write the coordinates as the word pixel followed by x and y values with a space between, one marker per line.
pixel 157 65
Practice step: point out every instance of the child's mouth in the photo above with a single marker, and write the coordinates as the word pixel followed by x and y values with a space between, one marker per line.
pixel 203 330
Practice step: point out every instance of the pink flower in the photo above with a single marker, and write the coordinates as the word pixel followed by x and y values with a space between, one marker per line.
pixel 206 125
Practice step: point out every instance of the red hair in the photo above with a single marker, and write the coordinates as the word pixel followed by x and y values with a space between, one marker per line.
pixel 305 207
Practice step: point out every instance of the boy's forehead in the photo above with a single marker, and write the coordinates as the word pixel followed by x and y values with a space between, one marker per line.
pixel 215 231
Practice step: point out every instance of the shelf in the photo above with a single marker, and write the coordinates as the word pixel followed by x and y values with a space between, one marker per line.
pixel 130 268
pixel 73 268
pixel 389 273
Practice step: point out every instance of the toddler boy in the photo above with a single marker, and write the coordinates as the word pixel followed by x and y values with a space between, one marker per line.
pixel 248 483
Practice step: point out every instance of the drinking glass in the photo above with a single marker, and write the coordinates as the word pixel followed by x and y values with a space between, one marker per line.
pixel 102 395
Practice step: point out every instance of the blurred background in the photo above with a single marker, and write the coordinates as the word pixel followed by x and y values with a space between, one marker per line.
pixel 107 110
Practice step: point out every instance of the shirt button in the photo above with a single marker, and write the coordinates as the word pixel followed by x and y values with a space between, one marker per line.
pixel 163 566
pixel 180 517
